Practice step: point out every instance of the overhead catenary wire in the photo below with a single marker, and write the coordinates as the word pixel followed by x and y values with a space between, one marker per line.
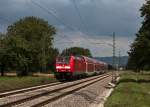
pixel 51 13
pixel 84 25
pixel 82 22
pixel 79 14
pixel 81 19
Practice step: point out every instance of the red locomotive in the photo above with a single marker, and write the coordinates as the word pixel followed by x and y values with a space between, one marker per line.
pixel 69 67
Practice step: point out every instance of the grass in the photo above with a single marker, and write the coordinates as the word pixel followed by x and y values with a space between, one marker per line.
pixel 133 90
pixel 11 83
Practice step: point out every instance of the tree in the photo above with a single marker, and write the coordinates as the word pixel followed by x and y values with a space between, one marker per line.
pixel 139 54
pixel 51 63
pixel 13 54
pixel 29 44
pixel 76 51
pixel 2 52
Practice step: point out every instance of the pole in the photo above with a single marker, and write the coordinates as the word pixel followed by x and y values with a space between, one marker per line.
pixel 119 62
pixel 114 48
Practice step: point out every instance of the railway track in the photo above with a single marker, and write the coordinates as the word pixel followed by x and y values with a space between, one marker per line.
pixel 4 94
pixel 43 96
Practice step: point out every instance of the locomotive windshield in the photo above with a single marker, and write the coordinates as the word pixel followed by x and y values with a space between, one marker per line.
pixel 64 60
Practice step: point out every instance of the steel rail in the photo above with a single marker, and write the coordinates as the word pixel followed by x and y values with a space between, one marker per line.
pixel 46 92
pixel 4 94
pixel 67 93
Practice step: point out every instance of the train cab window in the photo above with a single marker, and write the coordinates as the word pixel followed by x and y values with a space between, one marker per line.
pixel 65 60
pixel 59 59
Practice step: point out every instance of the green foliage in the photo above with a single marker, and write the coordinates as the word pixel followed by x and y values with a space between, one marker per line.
pixel 14 53
pixel 76 51
pixel 27 45
pixel 52 58
pixel 2 53
pixel 139 54
pixel 132 91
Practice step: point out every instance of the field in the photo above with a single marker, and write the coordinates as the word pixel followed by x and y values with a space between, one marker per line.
pixel 11 83
pixel 133 90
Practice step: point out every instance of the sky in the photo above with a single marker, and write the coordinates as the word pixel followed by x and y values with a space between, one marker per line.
pixel 84 23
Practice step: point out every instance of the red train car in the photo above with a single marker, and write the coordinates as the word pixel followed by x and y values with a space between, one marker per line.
pixel 69 67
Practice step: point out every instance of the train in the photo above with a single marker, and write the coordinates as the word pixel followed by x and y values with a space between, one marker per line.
pixel 71 67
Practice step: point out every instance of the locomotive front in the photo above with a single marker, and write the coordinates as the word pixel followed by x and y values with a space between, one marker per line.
pixel 64 67
pixel 63 64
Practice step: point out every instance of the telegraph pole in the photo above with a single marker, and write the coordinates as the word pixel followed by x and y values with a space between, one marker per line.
pixel 114 48
pixel 119 62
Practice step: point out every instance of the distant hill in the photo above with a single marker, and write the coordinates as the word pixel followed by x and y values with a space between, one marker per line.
pixel 109 60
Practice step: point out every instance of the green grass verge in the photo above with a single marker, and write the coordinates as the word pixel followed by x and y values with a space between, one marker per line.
pixel 11 83
pixel 133 90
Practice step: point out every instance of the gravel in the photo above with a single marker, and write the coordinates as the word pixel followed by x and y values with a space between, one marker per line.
pixel 48 96
pixel 16 97
pixel 86 97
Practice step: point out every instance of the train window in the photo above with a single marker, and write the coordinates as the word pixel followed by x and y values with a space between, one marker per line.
pixel 65 60
pixel 59 59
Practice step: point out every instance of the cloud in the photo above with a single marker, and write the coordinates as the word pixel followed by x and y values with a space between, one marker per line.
pixel 64 40
pixel 101 18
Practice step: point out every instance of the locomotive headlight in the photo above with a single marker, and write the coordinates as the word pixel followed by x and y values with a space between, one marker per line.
pixel 59 67
pixel 67 67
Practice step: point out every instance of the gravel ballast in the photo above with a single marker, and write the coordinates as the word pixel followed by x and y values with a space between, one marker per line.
pixel 24 95
pixel 86 97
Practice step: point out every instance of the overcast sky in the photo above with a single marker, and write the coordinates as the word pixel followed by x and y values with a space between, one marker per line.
pixel 82 22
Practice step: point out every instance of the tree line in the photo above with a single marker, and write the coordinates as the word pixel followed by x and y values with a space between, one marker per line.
pixel 139 54
pixel 27 46
pixel 76 51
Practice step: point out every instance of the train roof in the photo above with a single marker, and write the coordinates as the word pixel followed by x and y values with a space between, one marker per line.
pixel 87 59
